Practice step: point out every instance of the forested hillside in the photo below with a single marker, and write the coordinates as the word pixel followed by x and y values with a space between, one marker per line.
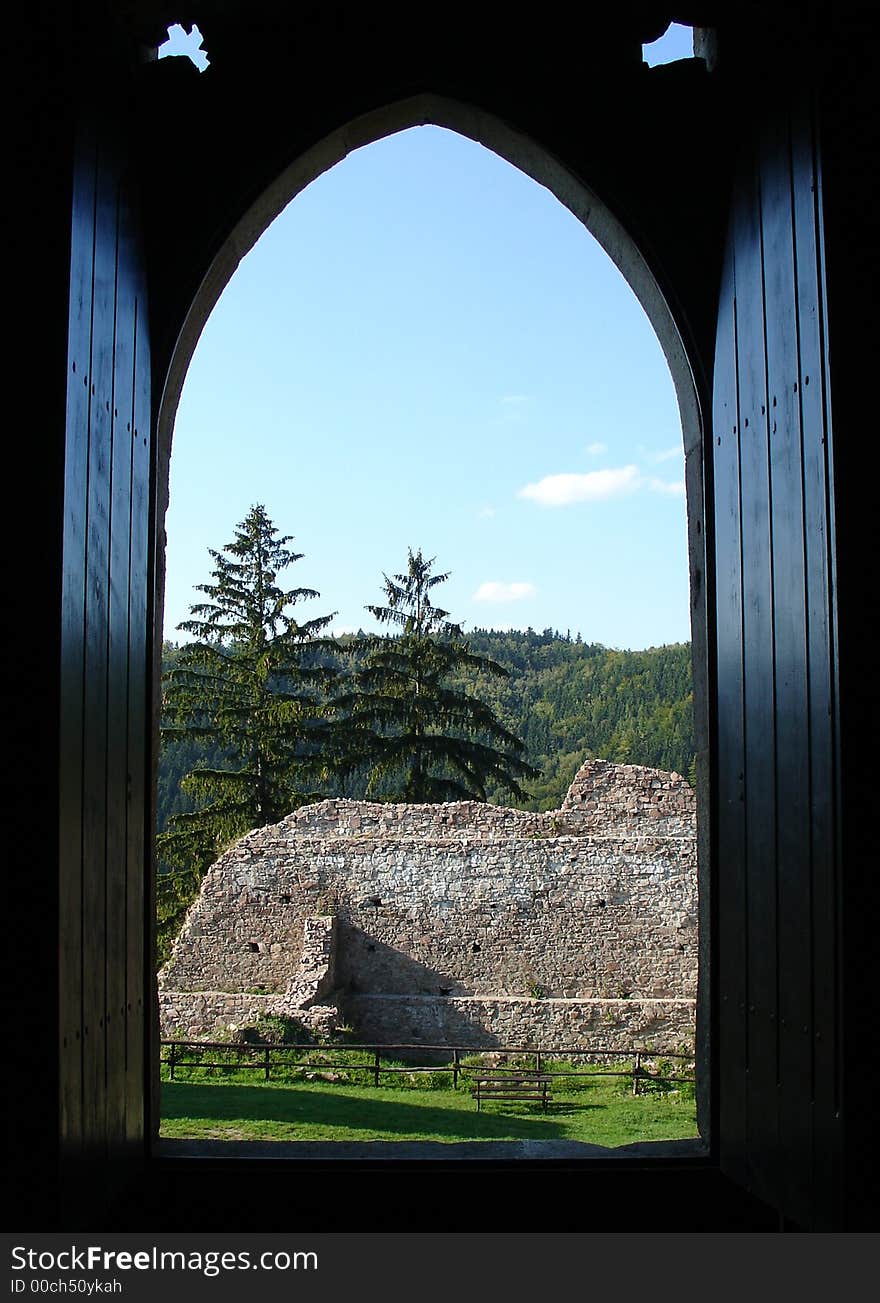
pixel 568 700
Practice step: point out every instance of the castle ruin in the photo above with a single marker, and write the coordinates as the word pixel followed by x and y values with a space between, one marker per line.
pixel 461 923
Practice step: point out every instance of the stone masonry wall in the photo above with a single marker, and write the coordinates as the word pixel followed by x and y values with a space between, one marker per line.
pixel 449 908
pixel 515 1022
pixel 187 1014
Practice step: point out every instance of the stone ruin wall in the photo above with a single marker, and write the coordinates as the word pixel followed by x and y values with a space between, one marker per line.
pixel 462 922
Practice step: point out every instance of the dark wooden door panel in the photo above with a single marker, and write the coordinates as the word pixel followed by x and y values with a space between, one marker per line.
pixel 104 667
pixel 71 660
pixel 821 667
pixel 791 755
pixel 776 865
pixel 139 975
pixel 121 416
pixel 758 696
pixel 732 936
pixel 94 922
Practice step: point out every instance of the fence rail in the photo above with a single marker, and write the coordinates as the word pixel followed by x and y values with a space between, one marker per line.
pixel 262 1053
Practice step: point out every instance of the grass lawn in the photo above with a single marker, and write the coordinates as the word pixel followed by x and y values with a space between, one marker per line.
pixel 600 1111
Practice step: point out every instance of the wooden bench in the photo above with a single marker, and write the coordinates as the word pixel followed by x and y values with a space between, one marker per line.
pixel 513 1086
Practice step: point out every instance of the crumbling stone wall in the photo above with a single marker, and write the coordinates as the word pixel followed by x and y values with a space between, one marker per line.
pixel 197 1012
pixel 462 922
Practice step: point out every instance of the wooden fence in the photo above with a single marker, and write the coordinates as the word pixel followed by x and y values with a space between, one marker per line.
pixel 262 1054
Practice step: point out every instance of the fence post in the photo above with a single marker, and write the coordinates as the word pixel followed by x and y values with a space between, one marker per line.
pixel 266 1068
pixel 538 1063
pixel 455 1069
pixel 171 1060
pixel 376 1070
pixel 637 1069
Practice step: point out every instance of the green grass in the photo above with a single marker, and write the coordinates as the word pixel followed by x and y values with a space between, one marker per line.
pixel 598 1110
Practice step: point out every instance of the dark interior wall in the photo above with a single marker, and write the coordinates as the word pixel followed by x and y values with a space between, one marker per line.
pixel 200 154
pixel 216 141
pixel 41 244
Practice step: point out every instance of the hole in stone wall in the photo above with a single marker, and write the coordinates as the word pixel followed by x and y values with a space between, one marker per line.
pixel 185 44
pixel 676 43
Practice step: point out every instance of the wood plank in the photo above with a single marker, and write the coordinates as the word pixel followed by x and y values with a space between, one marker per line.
pixel 758 681
pixel 120 413
pixel 824 925
pixel 140 979
pixel 71 665
pixel 731 937
pixel 95 650
pixel 790 675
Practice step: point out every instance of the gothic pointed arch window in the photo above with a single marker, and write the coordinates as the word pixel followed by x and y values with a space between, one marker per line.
pixel 495 420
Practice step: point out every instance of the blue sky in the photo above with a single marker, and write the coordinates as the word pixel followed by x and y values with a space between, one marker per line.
pixel 427 350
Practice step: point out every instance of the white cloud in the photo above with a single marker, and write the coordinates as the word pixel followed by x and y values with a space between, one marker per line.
pixel 674 488
pixel 486 512
pixel 493 591
pixel 596 449
pixel 593 486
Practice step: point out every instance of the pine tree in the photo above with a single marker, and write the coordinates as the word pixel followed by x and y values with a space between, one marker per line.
pixel 250 687
pixel 417 737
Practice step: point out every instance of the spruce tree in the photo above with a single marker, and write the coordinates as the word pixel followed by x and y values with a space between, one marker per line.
pixel 413 734
pixel 249 687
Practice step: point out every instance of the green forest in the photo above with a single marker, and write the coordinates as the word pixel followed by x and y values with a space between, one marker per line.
pixel 568 700
pixel 262 713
